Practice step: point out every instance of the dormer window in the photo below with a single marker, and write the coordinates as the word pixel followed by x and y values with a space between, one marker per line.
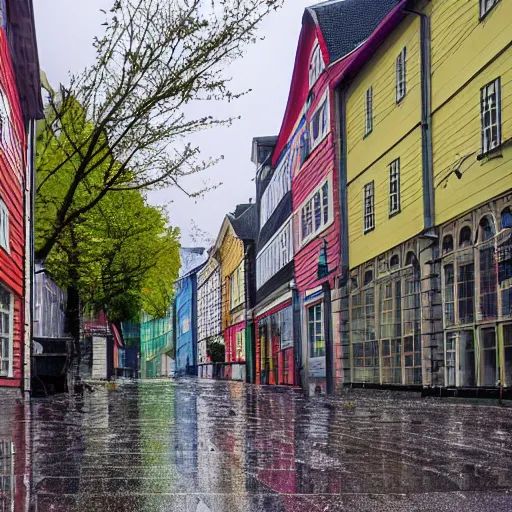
pixel 316 66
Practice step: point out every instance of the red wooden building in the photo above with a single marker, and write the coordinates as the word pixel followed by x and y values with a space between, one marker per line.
pixel 331 32
pixel 20 106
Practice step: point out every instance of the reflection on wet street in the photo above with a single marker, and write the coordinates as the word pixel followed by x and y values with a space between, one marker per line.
pixel 204 446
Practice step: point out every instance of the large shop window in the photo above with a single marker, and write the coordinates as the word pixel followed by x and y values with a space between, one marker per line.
pixel 507 348
pixel 275 335
pixel 488 284
pixel 460 360
pixel 277 253
pixel 488 360
pixel 364 344
pixel 391 332
pixel 316 213
pixel 466 293
pixel 316 337
pixel 412 329
pixel 6 330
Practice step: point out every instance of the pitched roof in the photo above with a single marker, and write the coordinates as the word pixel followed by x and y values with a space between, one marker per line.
pixel 246 224
pixel 345 24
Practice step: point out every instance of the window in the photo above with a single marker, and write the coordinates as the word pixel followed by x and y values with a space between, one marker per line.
pixel 240 344
pixel 3 14
pixel 401 78
pixel 368 277
pixel 369 111
pixel 490 106
pixel 487 230
pixel 488 284
pixel 4 226
pixel 394 261
pixel 279 186
pixel 486 6
pixel 507 345
pixel 7 476
pixel 319 125
pixel 506 218
pixel 450 358
pixel 316 213
pixel 447 244
pixel 369 207
pixel 277 253
pixel 394 187
pixel 6 329
pixel 304 146
pixel 466 293
pixel 237 288
pixel 449 295
pixel 316 65
pixel 316 331
pixel 488 360
pixel 465 237
pixel 411 327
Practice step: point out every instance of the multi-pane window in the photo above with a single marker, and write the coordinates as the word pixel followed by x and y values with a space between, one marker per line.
pixel 394 187
pixel 450 358
pixel 6 329
pixel 319 125
pixel 369 207
pixel 488 285
pixel 401 76
pixel 449 295
pixel 237 286
pixel 391 331
pixel 316 213
pixel 4 226
pixel 279 186
pixel 368 126
pixel 277 253
pixel 316 331
pixel 466 293
pixel 486 6
pixel 490 106
pixel 6 476
pixel 411 329
pixel 316 65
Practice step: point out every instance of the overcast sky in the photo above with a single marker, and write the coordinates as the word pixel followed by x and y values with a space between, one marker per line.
pixel 65 29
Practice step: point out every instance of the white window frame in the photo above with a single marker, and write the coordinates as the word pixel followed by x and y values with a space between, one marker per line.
pixel 9 335
pixel 316 65
pixel 490 101
pixel 401 75
pixel 276 253
pixel 308 205
pixel 486 6
pixel 312 324
pixel 368 111
pixel 280 184
pixel 4 227
pixel 237 288
pixel 322 116
pixel 369 207
pixel 394 187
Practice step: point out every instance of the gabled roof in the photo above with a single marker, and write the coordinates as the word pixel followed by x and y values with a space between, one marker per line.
pixel 25 57
pixel 246 225
pixel 341 26
pixel 345 24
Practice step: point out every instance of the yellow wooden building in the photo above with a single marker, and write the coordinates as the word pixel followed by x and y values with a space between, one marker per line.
pixel 425 128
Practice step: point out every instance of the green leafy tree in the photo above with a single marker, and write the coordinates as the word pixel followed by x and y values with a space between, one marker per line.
pixel 124 123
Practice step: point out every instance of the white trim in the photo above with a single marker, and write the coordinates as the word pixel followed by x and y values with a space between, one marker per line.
pixel 323 129
pixel 401 75
pixel 490 101
pixel 369 193
pixel 487 6
pixel 10 337
pixel 330 211
pixel 273 304
pixel 368 111
pixel 4 227
pixel 316 64
pixel 394 187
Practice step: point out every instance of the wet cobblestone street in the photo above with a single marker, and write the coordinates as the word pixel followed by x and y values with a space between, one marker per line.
pixel 217 446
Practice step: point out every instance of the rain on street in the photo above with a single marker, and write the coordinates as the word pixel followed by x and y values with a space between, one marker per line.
pixel 193 445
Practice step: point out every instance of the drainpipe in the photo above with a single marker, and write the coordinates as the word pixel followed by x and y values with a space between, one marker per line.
pixel 426 119
pixel 329 349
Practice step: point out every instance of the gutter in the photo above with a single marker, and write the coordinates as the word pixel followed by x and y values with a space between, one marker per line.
pixel 426 120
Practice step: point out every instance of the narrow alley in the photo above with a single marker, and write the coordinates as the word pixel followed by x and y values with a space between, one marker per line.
pixel 198 445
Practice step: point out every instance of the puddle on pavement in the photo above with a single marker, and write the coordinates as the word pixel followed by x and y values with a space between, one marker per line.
pixel 222 446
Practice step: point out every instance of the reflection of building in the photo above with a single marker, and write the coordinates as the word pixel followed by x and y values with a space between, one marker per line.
pixel 156 345
pixel 20 106
pixel 15 472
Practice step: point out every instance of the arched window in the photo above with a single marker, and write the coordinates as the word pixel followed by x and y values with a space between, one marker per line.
pixel 486 228
pixel 394 261
pixel 447 244
pixel 316 65
pixel 506 218
pixel 410 259
pixel 465 237
pixel 368 276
